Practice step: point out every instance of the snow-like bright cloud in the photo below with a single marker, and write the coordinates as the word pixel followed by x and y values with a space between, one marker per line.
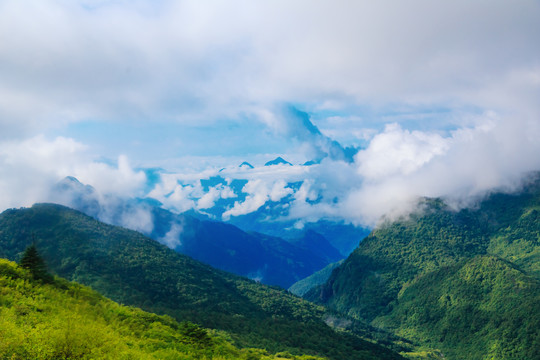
pixel 208 199
pixel 259 192
pixel 398 152
pixel 462 167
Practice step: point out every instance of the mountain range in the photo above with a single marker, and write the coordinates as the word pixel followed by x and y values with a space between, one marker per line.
pixel 268 259
pixel 463 283
pixel 135 270
pixel 438 283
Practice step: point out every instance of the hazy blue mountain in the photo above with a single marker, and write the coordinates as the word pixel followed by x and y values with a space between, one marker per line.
pixel 267 259
pixel 317 244
pixel 283 256
pixel 342 236
pixel 82 197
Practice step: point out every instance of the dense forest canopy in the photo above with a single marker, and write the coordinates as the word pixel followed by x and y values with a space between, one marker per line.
pixel 465 282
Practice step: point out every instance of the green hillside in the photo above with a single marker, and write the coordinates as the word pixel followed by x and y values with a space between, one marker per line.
pixel 63 320
pixel 132 269
pixel 485 308
pixel 318 278
pixel 408 277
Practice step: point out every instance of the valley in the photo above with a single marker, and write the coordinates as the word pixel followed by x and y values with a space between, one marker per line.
pixel 436 284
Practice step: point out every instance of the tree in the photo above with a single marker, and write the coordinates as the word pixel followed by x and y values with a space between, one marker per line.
pixel 32 261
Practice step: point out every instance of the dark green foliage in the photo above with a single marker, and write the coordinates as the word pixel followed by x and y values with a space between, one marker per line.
pixel 62 320
pixel 484 307
pixel 194 334
pixel 133 269
pixel 374 273
pixel 409 277
pixel 32 261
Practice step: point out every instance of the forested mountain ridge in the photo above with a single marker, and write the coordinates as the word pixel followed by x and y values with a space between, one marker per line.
pixel 271 260
pixel 465 282
pixel 63 320
pixel 135 270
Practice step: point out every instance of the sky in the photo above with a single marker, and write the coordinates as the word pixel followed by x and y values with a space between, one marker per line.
pixel 394 99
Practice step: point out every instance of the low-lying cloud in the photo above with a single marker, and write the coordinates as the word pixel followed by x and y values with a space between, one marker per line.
pixel 259 192
pixel 173 238
pixel 399 166
pixel 396 168
pixel 384 180
pixel 31 167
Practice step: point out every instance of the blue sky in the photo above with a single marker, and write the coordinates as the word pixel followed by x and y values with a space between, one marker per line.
pixel 426 90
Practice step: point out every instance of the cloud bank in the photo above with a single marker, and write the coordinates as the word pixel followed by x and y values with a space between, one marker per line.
pixel 433 99
pixel 188 61
pixel 383 180
pixel 30 168
pixel 387 177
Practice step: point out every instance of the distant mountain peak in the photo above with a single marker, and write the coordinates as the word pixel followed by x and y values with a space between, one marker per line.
pixel 312 162
pixel 277 161
pixel 246 164
pixel 73 184
pixel 71 179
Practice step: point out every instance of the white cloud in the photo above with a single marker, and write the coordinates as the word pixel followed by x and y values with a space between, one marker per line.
pixel 192 61
pixel 55 156
pixel 138 219
pixel 396 151
pixel 305 192
pixel 29 168
pixel 121 180
pixel 279 190
pixel 208 199
pixel 258 196
pixel 259 192
pixel 200 62
pixel 495 155
pixel 179 199
pixel 173 238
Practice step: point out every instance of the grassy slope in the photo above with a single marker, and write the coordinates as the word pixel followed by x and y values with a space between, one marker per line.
pixel 63 320
pixel 132 269
pixel 401 267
